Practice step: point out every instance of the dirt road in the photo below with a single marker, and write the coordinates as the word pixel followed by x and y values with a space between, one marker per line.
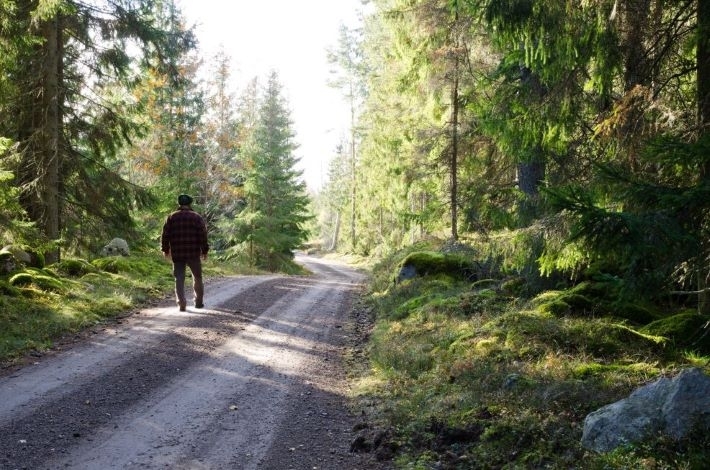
pixel 253 381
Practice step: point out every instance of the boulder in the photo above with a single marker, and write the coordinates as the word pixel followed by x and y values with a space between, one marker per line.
pixel 20 255
pixel 406 272
pixel 672 407
pixel 116 247
pixel 8 263
pixel 430 263
pixel 25 255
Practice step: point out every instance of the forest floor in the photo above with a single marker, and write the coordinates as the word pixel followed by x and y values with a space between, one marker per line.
pixel 255 380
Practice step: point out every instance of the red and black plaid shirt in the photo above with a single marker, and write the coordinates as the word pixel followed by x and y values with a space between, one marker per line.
pixel 184 235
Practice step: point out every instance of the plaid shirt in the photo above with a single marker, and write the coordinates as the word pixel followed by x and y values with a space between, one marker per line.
pixel 184 235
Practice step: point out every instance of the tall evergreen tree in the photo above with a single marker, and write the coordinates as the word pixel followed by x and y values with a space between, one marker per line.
pixel 71 109
pixel 173 152
pixel 271 225
pixel 646 214
pixel 398 155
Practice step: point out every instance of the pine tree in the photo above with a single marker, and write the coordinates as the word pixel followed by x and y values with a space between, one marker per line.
pixel 271 225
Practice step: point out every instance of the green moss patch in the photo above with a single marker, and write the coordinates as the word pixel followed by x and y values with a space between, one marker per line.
pixel 431 263
pixel 42 279
pixel 8 289
pixel 74 267
pixel 687 330
pixel 112 264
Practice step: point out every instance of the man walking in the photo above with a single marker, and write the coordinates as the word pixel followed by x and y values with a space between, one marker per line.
pixel 184 240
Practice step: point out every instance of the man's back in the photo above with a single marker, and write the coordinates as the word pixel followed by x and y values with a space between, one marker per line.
pixel 184 235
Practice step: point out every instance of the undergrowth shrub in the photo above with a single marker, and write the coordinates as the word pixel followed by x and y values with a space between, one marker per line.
pixel 430 263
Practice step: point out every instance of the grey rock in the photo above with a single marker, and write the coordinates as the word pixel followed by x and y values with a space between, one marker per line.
pixel 406 272
pixel 116 247
pixel 669 406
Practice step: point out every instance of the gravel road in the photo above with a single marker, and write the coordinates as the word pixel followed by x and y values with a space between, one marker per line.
pixel 255 380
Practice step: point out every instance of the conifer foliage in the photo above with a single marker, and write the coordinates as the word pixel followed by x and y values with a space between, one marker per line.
pixel 580 127
pixel 271 225
pixel 68 70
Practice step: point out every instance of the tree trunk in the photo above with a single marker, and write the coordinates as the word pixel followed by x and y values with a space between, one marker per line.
pixel 353 169
pixel 422 205
pixel 381 224
pixel 530 176
pixel 454 151
pixel 635 27
pixel 336 233
pixel 51 132
pixel 703 78
pixel 353 193
pixel 531 172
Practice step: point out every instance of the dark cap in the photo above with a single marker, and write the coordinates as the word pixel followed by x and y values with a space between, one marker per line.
pixel 184 200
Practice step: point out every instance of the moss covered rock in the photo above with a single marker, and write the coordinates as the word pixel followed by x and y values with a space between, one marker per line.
pixel 430 263
pixel 75 267
pixel 555 307
pixel 515 286
pixel 39 278
pixel 686 329
pixel 112 264
pixel 564 302
pixel 8 263
pixel 636 313
pixel 27 255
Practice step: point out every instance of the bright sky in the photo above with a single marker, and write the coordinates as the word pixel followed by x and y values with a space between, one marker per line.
pixel 291 37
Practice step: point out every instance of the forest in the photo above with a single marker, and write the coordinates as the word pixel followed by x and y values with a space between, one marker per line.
pixel 571 135
pixel 558 150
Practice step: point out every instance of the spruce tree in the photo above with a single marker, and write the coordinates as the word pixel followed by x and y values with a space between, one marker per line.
pixel 271 225
pixel 333 199
pixel 69 109
pixel 171 156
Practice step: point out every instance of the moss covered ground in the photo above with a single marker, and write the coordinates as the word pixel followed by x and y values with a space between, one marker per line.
pixel 39 306
pixel 468 375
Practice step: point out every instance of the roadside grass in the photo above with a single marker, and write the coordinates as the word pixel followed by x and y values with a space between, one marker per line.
pixel 465 376
pixel 40 306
